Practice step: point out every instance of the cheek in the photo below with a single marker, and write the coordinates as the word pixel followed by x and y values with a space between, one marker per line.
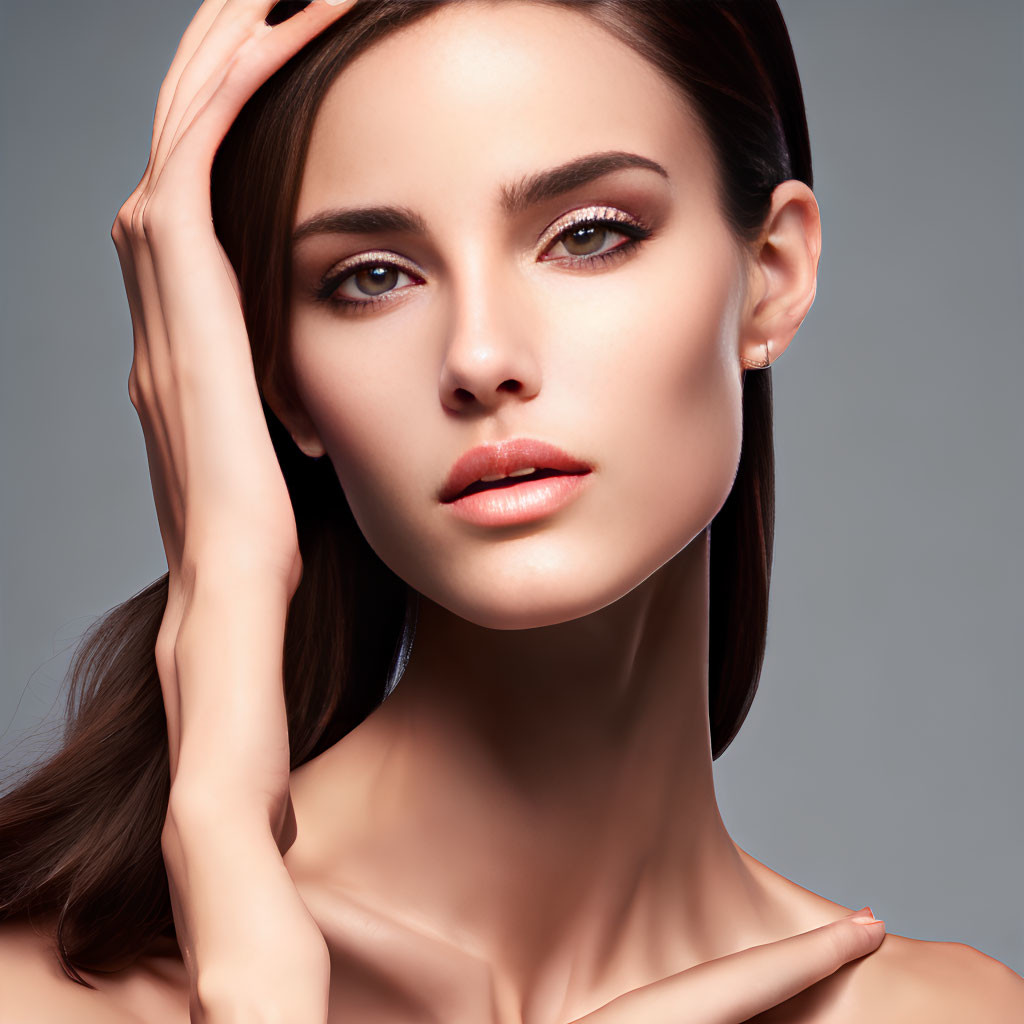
pixel 692 411
pixel 368 418
pixel 639 371
pixel 666 398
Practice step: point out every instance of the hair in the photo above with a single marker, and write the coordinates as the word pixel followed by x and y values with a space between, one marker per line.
pixel 80 833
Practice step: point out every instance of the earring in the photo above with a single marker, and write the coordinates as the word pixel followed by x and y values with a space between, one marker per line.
pixel 403 648
pixel 749 364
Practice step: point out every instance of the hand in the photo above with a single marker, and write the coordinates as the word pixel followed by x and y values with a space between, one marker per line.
pixel 252 950
pixel 219 492
pixel 407 966
pixel 221 500
pixel 735 988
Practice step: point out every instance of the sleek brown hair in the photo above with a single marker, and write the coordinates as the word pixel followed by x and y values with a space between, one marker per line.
pixel 80 833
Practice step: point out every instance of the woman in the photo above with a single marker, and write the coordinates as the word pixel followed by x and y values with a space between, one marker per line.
pixel 494 257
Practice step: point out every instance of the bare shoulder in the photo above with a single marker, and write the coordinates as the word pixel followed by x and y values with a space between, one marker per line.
pixel 37 991
pixel 909 979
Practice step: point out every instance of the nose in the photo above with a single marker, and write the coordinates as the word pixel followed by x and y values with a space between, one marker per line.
pixel 490 355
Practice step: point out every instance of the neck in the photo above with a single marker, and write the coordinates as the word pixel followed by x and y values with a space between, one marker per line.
pixel 546 795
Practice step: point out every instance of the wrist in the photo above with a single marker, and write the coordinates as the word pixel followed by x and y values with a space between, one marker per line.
pixel 234 570
pixel 213 813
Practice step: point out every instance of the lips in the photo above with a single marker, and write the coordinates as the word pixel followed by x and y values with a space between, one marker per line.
pixel 505 458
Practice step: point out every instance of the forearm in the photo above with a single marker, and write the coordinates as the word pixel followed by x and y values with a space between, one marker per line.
pixel 232 758
pixel 236 908
pixel 233 901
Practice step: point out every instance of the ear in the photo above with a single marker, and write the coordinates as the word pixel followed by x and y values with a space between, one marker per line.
pixel 288 409
pixel 783 275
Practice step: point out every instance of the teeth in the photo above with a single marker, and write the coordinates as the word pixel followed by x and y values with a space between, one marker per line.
pixel 501 476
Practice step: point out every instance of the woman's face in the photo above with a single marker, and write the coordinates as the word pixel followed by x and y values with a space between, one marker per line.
pixel 491 315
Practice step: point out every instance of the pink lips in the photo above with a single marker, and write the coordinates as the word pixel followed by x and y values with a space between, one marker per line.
pixel 513 502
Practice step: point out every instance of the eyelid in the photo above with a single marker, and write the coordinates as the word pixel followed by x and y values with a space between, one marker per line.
pixel 584 215
pixel 579 216
pixel 372 258
pixel 331 281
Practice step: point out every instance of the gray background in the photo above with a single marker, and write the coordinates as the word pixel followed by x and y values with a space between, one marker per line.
pixel 881 762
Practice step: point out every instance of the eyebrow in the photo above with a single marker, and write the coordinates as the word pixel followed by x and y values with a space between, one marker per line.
pixel 516 197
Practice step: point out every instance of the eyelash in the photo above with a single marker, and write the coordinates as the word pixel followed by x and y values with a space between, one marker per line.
pixel 634 231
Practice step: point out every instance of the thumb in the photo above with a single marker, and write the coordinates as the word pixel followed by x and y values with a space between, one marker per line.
pixel 734 988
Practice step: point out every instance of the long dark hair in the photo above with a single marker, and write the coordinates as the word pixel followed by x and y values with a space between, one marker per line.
pixel 80 833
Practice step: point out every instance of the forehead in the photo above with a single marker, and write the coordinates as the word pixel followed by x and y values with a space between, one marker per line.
pixel 479 92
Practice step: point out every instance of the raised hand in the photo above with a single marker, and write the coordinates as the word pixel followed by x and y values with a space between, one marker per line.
pixel 219 492
pixel 251 948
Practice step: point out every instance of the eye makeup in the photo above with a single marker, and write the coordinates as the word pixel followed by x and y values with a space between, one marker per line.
pixel 326 291
pixel 585 224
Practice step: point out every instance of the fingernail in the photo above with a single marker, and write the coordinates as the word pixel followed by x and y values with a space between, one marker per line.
pixel 863 910
pixel 867 920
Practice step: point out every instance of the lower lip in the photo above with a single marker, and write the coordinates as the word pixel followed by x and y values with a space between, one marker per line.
pixel 519 503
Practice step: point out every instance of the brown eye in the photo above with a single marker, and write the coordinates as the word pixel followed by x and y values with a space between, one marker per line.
pixel 595 240
pixel 375 280
pixel 585 240
pixel 365 284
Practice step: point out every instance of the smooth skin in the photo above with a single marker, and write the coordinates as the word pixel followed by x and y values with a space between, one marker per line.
pixel 527 829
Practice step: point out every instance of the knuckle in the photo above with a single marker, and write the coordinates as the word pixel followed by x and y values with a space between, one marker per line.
pixel 120 230
pixel 135 222
pixel 124 223
pixel 149 217
pixel 160 215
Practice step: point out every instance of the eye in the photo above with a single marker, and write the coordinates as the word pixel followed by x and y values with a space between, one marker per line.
pixel 365 283
pixel 585 235
pixel 368 281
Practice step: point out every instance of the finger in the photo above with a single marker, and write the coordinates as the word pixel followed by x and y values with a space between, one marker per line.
pixel 211 114
pixel 190 41
pixel 262 53
pixel 734 988
pixel 232 24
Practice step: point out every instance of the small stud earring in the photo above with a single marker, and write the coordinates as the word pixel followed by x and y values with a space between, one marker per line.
pixel 403 648
pixel 751 365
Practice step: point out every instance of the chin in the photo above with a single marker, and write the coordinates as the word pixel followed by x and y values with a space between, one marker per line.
pixel 498 612
pixel 525 599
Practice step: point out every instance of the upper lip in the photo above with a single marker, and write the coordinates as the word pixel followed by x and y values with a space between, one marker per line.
pixel 506 457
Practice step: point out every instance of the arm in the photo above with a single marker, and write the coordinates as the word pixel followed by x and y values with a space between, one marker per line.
pixel 244 931
pixel 252 951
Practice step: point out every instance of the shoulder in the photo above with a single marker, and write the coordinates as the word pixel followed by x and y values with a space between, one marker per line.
pixel 914 979
pixel 37 991
pixel 910 980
